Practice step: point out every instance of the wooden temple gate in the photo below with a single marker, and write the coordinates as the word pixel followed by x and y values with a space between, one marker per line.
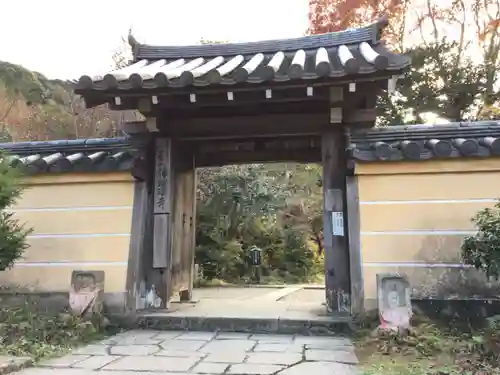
pixel 210 105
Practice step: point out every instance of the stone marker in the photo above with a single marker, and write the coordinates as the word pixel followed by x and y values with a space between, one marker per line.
pixel 86 294
pixel 394 304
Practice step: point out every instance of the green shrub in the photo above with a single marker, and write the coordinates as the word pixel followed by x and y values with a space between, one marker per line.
pixel 483 249
pixel 25 331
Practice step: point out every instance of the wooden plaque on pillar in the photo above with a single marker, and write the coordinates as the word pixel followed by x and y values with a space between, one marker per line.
pixel 162 184
pixel 162 203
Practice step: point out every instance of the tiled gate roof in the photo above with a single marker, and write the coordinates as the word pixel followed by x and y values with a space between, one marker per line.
pixel 348 53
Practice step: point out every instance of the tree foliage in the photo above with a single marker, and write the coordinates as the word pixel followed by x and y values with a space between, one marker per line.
pixel 483 249
pixel 12 234
pixel 33 107
pixel 440 82
pixel 244 206
pixel 455 51
pixel 335 15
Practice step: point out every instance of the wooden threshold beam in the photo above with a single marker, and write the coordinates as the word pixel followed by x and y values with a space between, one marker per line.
pixel 228 158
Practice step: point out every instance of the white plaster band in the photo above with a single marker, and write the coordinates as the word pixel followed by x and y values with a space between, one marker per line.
pixel 92 235
pixel 54 209
pixel 416 265
pixel 431 201
pixel 69 264
pixel 421 232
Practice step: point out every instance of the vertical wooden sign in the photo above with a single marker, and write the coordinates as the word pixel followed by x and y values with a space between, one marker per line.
pixel 162 184
pixel 162 203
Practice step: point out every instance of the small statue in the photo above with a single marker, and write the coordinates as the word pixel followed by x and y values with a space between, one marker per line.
pixel 395 309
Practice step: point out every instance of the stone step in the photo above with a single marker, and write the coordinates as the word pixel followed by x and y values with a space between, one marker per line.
pixel 321 326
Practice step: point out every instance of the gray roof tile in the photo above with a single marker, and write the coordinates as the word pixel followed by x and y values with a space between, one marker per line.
pixel 423 142
pixel 85 155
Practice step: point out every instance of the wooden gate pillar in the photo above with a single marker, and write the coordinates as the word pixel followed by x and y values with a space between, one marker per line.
pixel 184 224
pixel 141 276
pixel 135 266
pixel 163 188
pixel 337 280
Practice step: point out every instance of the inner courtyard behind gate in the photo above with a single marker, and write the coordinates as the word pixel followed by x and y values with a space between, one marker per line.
pixel 212 105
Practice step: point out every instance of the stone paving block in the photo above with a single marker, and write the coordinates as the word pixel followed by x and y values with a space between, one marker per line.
pixel 180 353
pixel 113 372
pixel 225 357
pixel 278 347
pixel 341 356
pixel 328 346
pixel 315 342
pixel 228 346
pixel 133 340
pixel 137 350
pixel 92 350
pixel 66 361
pixel 95 362
pixel 210 368
pixel 108 341
pixel 145 333
pixel 248 368
pixel 320 368
pixel 168 335
pixel 57 371
pixel 263 358
pixel 232 336
pixel 152 363
pixel 185 345
pixel 72 371
pixel 272 338
pixel 199 336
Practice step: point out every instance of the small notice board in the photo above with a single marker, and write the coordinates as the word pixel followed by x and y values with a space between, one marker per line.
pixel 338 223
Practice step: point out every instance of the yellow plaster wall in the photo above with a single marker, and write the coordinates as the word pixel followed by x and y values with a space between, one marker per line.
pixel 414 216
pixel 80 222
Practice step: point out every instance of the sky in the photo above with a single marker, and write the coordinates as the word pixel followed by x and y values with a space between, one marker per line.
pixel 66 39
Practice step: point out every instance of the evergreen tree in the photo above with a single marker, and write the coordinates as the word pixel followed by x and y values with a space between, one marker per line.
pixel 12 234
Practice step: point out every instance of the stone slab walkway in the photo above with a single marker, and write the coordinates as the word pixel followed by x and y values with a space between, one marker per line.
pixel 145 352
pixel 286 302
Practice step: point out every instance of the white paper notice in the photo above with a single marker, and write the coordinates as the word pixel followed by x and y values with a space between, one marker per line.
pixel 338 223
